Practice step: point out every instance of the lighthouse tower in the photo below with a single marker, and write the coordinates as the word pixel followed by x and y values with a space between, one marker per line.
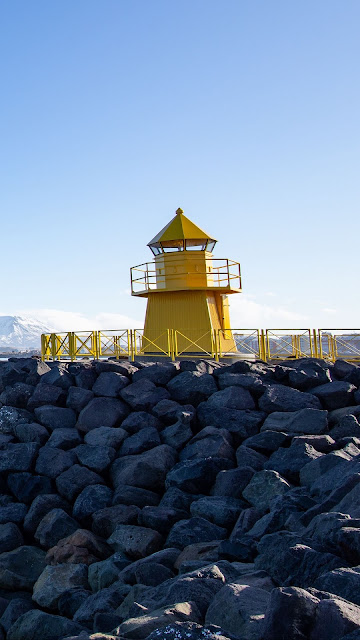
pixel 187 290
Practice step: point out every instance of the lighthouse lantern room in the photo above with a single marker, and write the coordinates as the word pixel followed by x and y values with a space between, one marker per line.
pixel 187 289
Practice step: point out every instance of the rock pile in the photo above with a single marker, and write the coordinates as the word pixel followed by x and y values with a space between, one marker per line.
pixel 179 500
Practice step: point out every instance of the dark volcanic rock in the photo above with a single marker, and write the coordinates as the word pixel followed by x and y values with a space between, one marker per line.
pixel 143 395
pixel 106 412
pixel 147 470
pixel 280 398
pixel 55 417
pixel 192 387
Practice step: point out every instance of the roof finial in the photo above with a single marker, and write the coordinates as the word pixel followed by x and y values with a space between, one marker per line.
pixel 178 211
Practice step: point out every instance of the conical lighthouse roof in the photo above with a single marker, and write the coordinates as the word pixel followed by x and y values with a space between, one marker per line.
pixel 179 228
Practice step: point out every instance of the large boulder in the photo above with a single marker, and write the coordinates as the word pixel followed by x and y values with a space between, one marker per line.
pixel 311 421
pixel 192 387
pixel 136 542
pixel 18 457
pixel 143 395
pixel 54 581
pixel 280 398
pixel 21 567
pixel 35 624
pixel 232 398
pixel 290 614
pixel 147 470
pixel 55 417
pixel 106 412
pixel 196 476
pixel 263 487
pixel 239 609
pixel 109 384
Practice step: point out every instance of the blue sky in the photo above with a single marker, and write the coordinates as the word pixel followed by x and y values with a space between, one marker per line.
pixel 243 112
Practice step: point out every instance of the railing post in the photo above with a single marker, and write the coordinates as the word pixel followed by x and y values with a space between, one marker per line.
pixel 316 354
pixel 264 346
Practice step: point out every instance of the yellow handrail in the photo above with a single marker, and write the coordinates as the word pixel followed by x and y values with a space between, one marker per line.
pixel 263 344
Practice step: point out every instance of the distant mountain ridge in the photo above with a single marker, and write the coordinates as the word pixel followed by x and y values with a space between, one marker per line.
pixel 21 332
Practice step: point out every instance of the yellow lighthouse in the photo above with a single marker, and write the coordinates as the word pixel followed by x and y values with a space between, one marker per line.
pixel 187 290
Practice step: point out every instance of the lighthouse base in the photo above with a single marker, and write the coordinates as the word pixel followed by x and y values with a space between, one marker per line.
pixel 198 318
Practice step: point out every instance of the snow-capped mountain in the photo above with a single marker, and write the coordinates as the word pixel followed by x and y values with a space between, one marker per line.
pixel 20 332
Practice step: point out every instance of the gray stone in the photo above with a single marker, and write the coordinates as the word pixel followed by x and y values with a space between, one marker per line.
pixel 336 395
pixel 347 426
pixel 231 483
pixel 18 457
pixel 26 487
pixel 106 412
pixel 57 524
pixel 146 439
pixel 141 626
pixel 289 462
pixel 103 574
pixel 55 417
pixel 96 458
pixel 52 462
pixel 268 441
pixel 290 614
pixel 160 519
pixel 91 500
pixel 46 394
pixel 169 411
pixel 31 432
pixel 106 520
pixel 72 481
pixel 247 457
pixel 109 384
pixel 232 398
pixel 263 487
pixel 334 619
pixel 280 398
pixel 106 437
pixel 13 512
pixel 10 537
pixel 239 609
pixel 136 542
pixel 16 608
pixel 159 373
pixel 147 470
pixel 143 395
pixel 64 439
pixel 250 381
pixel 105 600
pixel 192 387
pixel 343 581
pixel 304 421
pixel 128 495
pixel 196 476
pixel 17 395
pixel 54 581
pixel 153 574
pixel 194 530
pixel 241 424
pixel 40 507
pixel 209 442
pixel 222 511
pixel 58 376
pixel 37 624
pixel 138 420
pixel 290 562
pixel 10 417
pixel 21 567
pixel 177 435
pixel 78 398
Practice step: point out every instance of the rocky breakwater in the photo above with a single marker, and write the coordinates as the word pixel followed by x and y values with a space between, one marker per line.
pixel 187 500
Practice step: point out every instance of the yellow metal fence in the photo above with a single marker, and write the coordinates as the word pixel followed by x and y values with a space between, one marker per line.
pixel 263 344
